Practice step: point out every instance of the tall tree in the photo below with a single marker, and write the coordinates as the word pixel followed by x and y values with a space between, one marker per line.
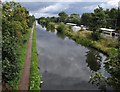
pixel 62 16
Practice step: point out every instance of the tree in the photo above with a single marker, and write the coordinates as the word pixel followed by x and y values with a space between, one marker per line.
pixel 86 19
pixel 61 28
pixel 74 18
pixel 118 19
pixel 51 26
pixel 31 20
pixel 99 18
pixel 63 16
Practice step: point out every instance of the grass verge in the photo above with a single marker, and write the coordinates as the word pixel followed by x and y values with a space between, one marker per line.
pixel 34 72
pixel 104 45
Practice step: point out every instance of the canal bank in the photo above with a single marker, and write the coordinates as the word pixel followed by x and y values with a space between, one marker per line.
pixel 65 65
pixel 103 44
pixel 34 71
pixel 98 45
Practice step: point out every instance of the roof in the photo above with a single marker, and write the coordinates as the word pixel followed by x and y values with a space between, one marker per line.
pixel 106 29
pixel 72 24
pixel 76 28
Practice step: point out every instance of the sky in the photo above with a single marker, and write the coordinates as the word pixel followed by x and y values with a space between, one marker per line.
pixel 49 8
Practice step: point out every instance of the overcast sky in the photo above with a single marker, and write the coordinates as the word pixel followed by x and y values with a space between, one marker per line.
pixel 50 8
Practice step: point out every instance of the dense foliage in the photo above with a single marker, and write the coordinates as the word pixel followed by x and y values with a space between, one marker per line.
pixel 96 35
pixel 62 17
pixel 61 28
pixel 108 18
pixel 15 24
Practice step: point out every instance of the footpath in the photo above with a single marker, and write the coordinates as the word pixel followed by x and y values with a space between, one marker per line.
pixel 24 82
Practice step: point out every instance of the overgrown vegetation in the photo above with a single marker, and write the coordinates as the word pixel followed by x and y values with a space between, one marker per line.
pixel 103 44
pixel 113 67
pixel 15 24
pixel 21 57
pixel 34 72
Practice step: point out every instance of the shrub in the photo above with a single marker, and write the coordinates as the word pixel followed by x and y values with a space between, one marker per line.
pixel 61 27
pixel 51 26
pixel 96 35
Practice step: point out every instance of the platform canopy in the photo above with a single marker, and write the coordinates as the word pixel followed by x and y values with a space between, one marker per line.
pixel 72 24
pixel 106 29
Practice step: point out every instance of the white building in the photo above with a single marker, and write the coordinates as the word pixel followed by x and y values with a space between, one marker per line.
pixel 71 24
pixel 108 31
pixel 76 28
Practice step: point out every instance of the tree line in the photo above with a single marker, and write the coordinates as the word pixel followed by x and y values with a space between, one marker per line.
pixel 15 24
pixel 108 18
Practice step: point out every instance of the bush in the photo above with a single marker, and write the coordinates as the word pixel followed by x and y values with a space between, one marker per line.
pixel 61 27
pixel 96 35
pixel 51 26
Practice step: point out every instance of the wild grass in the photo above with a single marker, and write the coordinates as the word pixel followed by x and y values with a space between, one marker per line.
pixel 105 45
pixel 34 72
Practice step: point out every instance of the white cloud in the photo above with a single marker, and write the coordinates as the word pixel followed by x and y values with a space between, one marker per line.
pixel 38 15
pixel 59 6
pixel 105 5
pixel 110 4
pixel 49 10
pixel 92 7
pixel 54 8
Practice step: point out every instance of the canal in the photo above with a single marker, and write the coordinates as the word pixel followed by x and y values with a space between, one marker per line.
pixel 64 64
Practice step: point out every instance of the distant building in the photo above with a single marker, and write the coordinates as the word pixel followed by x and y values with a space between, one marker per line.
pixel 71 24
pixel 110 32
pixel 76 28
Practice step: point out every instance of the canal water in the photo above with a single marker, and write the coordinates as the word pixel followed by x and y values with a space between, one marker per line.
pixel 64 64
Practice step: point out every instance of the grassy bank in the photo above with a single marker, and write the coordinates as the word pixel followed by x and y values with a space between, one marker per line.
pixel 34 73
pixel 104 45
pixel 22 55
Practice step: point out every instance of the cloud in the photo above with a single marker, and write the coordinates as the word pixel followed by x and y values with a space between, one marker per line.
pixel 110 4
pixel 105 5
pixel 50 10
pixel 54 8
pixel 38 15
pixel 92 7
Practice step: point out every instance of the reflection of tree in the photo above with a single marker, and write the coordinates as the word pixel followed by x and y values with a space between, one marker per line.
pixel 61 35
pixel 93 60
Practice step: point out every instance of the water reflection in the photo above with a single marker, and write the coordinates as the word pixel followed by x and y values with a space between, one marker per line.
pixel 93 60
pixel 65 62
